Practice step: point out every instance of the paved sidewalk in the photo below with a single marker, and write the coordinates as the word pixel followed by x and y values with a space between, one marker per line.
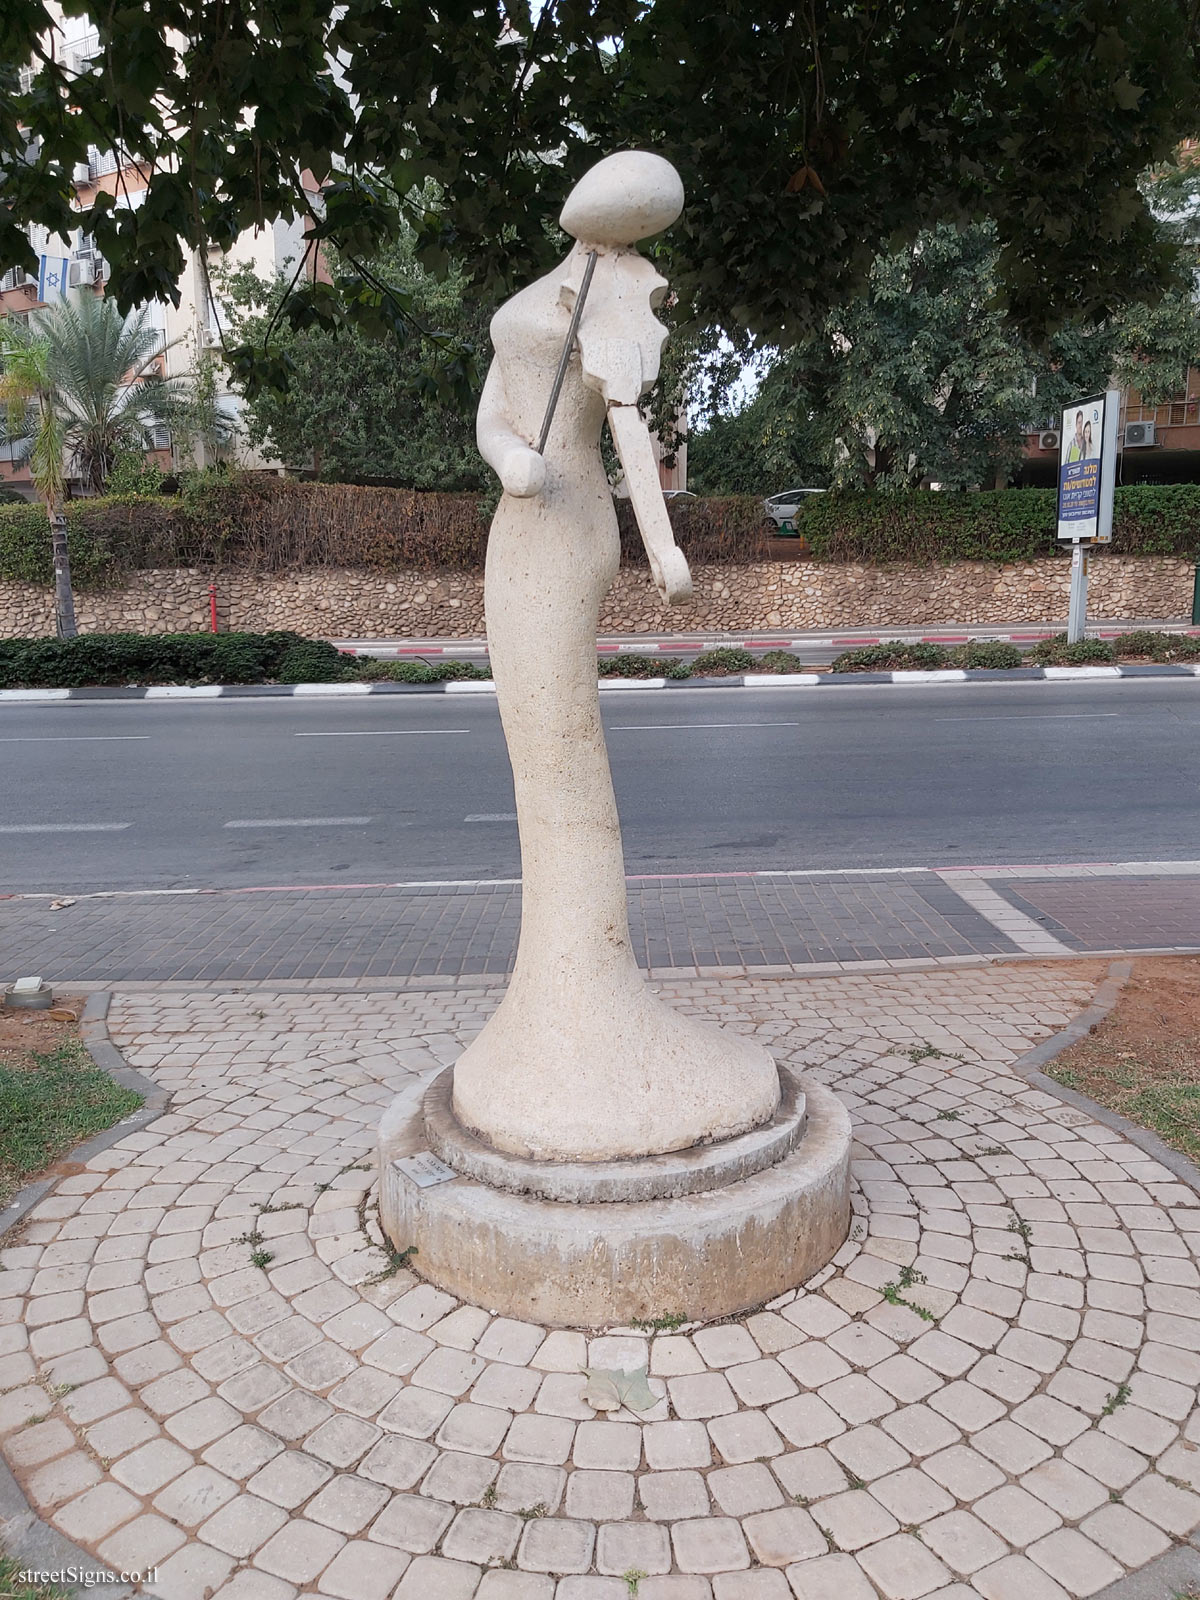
pixel 990 1392
pixel 680 925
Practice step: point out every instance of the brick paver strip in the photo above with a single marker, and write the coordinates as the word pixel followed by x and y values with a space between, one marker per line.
pixel 993 1386
pixel 438 932
pixel 1112 914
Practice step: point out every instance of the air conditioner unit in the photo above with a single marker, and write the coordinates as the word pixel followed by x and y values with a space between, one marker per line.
pixel 1138 435
pixel 209 337
pixel 1048 440
pixel 82 173
pixel 82 271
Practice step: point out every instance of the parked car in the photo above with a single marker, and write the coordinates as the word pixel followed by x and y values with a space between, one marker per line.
pixel 783 508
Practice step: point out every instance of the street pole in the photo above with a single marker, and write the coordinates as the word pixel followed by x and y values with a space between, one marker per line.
pixel 1077 614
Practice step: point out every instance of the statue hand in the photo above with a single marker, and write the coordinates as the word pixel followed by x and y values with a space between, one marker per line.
pixel 522 472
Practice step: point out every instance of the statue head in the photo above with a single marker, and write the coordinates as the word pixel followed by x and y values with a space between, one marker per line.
pixel 624 198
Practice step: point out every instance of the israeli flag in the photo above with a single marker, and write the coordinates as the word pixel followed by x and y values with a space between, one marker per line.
pixel 52 276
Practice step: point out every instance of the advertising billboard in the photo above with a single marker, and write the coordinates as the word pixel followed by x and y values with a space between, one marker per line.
pixel 1087 468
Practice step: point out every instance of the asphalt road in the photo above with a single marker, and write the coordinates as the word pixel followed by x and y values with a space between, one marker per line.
pixel 240 793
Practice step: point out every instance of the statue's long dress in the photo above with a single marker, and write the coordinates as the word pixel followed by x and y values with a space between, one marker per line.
pixel 581 1060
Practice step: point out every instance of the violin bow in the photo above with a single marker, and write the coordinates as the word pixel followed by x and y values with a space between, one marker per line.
pixel 561 374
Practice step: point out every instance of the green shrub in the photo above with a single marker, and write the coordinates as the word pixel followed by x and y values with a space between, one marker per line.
pixel 419 671
pixel 991 654
pixel 893 658
pixel 681 669
pixel 315 661
pixel 1057 652
pixel 149 658
pixel 1154 645
pixel 25 547
pixel 1003 525
pixel 630 666
pixel 375 671
pixel 780 660
pixel 453 668
pixel 238 658
pixel 722 661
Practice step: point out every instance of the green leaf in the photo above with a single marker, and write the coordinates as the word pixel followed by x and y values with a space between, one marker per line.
pixel 609 1390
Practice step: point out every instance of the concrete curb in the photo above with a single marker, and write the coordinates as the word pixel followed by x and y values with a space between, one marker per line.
pixel 178 694
pixel 23 1534
pixel 1030 1064
pixel 1175 1573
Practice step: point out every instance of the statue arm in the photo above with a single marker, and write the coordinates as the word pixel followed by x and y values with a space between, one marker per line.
pixel 517 464
pixel 668 565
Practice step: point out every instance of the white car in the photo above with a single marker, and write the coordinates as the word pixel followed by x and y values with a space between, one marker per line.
pixel 782 508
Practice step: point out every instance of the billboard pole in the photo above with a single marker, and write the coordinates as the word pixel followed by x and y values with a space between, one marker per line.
pixel 1077 614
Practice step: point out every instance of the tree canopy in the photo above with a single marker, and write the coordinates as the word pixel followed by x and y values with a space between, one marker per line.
pixel 812 138
pixel 360 407
pixel 922 376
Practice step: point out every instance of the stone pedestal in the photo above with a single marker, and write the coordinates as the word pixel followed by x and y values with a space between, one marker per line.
pixel 698 1233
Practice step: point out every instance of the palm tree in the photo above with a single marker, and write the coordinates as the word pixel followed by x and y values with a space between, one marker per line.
pixel 27 389
pixel 76 382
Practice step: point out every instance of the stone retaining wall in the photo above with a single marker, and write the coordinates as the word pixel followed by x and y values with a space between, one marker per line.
pixel 338 603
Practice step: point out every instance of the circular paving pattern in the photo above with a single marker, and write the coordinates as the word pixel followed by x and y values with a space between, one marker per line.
pixel 212 1365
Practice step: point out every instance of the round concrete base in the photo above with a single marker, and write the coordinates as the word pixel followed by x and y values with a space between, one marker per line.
pixel 567 1264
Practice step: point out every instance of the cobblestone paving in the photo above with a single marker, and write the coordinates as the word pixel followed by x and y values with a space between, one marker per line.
pixel 992 1391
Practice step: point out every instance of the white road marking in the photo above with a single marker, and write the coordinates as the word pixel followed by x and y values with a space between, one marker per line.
pixel 64 827
pixel 1074 674
pixel 938 675
pixel 378 733
pixel 630 727
pixel 492 816
pixel 300 822
pixel 178 691
pixel 1034 716
pixel 69 738
pixel 305 689
pixel 951 875
pixel 1024 932
pixel 782 680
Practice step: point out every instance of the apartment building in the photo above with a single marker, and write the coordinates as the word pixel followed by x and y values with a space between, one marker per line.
pixel 74 264
pixel 1158 444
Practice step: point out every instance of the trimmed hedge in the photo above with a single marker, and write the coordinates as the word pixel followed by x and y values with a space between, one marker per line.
pixel 1144 644
pixel 107 659
pixel 1002 525
pixel 267 524
pixel 187 658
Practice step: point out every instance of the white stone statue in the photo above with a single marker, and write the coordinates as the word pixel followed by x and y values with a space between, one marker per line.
pixel 582 1061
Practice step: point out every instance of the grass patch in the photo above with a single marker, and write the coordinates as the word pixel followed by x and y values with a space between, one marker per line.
pixel 1144 1058
pixel 11 1589
pixel 49 1102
